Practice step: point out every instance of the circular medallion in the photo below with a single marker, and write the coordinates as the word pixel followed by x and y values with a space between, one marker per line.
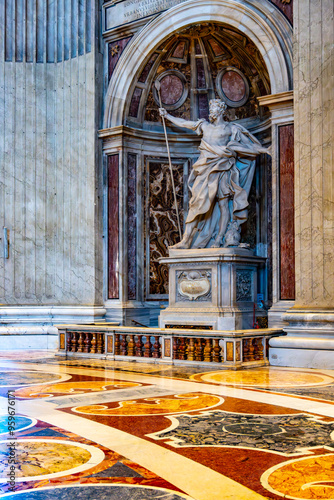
pixel 232 86
pixel 265 377
pixel 173 89
pixel 19 378
pixel 302 478
pixel 20 422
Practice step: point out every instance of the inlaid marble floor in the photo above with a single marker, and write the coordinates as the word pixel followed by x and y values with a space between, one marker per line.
pixel 95 430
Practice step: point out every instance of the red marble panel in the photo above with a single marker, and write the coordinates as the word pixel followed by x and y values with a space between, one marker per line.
pixel 218 50
pixel 147 68
pixel 287 235
pixel 179 50
pixel 197 48
pixel 201 83
pixel 115 50
pixel 203 106
pixel 171 89
pixel 134 105
pixel 285 6
pixel 113 227
pixel 132 226
pixel 233 86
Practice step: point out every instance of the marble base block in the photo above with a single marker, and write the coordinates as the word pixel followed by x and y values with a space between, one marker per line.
pixel 213 288
pixel 132 313
pixel 50 315
pixel 309 342
pixel 30 337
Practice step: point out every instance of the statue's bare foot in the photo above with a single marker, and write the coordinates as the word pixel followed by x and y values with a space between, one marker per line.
pixel 181 244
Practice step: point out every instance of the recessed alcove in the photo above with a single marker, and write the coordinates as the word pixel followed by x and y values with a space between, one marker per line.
pixel 194 65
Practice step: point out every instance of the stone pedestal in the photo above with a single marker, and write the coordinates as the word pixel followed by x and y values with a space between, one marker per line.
pixel 213 288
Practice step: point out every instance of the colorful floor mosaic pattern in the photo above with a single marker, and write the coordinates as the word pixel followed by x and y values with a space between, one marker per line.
pixel 98 430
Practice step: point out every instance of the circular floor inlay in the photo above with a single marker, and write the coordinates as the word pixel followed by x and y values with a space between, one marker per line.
pixel 46 459
pixel 100 492
pixel 20 423
pixel 265 377
pixel 23 377
pixel 303 478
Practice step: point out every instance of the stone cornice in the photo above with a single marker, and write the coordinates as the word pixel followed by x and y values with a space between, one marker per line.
pixel 277 100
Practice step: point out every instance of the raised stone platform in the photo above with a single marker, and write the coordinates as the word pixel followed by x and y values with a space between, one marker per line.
pixel 214 288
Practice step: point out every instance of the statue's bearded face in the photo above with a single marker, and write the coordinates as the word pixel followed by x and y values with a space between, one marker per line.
pixel 215 111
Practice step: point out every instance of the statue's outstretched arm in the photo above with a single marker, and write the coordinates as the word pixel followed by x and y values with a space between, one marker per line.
pixel 180 122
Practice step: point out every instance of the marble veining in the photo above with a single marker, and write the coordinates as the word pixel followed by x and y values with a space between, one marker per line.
pixel 169 432
pixel 288 434
pixel 102 492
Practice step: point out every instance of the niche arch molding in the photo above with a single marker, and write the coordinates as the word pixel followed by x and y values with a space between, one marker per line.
pixel 262 22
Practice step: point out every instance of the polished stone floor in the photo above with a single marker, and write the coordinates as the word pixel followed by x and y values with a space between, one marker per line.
pixel 94 429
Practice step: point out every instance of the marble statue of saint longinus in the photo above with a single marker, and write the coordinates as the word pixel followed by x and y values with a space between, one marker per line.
pixel 220 179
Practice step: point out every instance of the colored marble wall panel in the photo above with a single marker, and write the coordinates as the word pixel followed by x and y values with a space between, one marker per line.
pixel 218 50
pixel 201 83
pixel 162 226
pixel 285 6
pixel 132 226
pixel 171 89
pixel 110 343
pixel 62 341
pixel 167 347
pixel 203 106
pixel 179 50
pixel 197 48
pixel 147 68
pixel 233 86
pixel 113 227
pixel 134 105
pixel 115 50
pixel 287 238
pixel 229 351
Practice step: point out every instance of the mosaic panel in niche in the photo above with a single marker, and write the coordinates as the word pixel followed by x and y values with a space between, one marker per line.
pixel 162 230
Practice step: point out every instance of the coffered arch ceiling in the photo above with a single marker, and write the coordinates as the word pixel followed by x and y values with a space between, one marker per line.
pixel 196 64
pixel 256 21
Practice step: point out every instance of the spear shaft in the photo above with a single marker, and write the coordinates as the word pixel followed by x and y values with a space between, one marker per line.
pixel 157 86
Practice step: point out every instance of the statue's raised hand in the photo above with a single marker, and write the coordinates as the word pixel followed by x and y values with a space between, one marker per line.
pixel 163 112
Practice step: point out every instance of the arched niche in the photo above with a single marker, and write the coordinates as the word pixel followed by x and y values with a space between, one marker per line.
pixel 260 21
pixel 135 148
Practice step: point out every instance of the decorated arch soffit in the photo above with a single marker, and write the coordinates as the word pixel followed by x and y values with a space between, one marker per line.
pixel 260 22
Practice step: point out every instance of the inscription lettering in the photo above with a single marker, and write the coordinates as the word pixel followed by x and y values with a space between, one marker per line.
pixel 132 10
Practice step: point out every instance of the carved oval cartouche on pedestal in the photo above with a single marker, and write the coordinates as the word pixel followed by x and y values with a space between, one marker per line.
pixel 194 284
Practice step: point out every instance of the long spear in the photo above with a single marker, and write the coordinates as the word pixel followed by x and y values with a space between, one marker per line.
pixel 157 86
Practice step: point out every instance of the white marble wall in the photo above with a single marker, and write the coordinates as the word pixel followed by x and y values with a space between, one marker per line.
pixel 310 339
pixel 48 183
pixel 314 147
